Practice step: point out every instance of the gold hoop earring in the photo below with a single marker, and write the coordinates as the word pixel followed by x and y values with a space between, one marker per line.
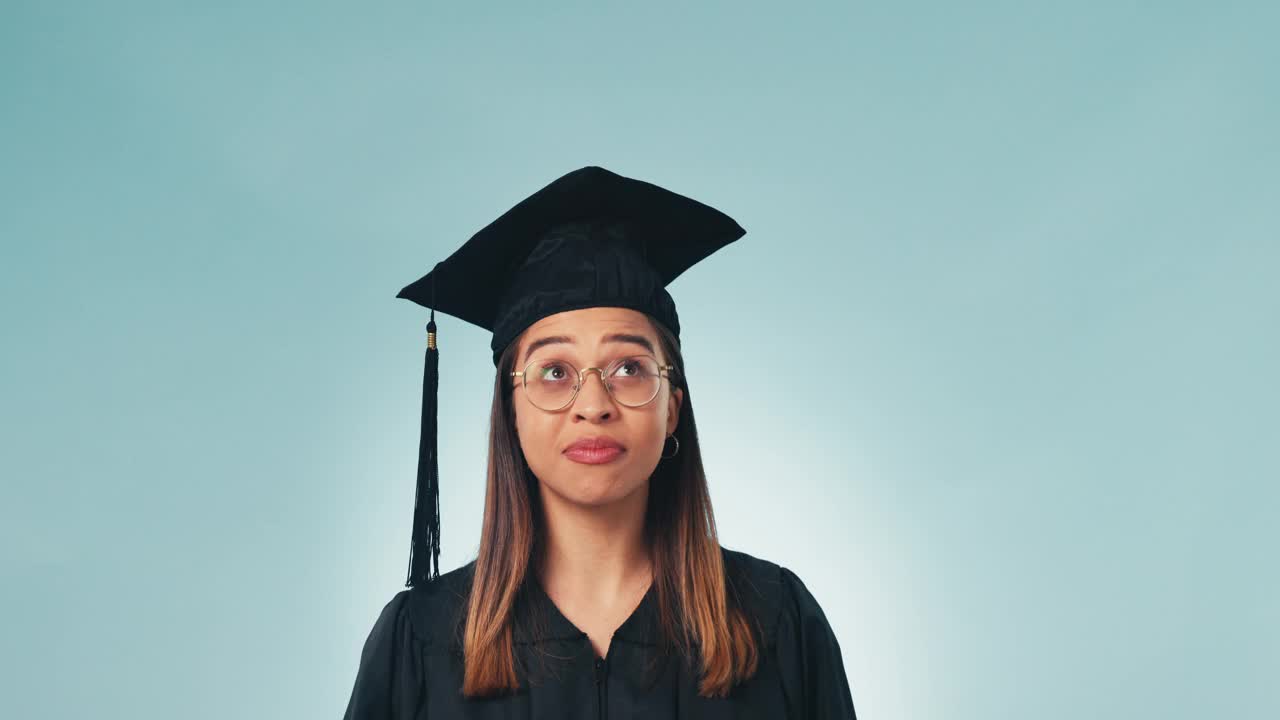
pixel 674 452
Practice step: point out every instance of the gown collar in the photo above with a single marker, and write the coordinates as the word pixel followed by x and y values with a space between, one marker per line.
pixel 538 619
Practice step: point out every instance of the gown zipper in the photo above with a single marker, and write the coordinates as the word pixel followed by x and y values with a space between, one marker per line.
pixel 601 670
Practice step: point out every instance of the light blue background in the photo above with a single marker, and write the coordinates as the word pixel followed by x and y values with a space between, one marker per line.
pixel 1007 292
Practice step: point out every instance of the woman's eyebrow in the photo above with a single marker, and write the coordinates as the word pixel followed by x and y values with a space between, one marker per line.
pixel 640 340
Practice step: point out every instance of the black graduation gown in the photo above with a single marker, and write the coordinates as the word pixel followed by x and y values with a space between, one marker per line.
pixel 411 664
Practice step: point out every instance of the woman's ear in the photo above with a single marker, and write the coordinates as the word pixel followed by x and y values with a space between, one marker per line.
pixel 674 402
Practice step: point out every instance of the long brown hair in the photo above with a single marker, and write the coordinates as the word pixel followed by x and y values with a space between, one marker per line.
pixel 688 567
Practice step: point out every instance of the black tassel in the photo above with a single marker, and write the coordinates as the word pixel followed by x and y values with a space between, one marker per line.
pixel 424 551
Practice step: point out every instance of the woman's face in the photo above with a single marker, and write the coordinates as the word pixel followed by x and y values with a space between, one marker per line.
pixel 584 340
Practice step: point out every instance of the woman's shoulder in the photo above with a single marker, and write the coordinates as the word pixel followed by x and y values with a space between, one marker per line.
pixel 770 592
pixel 433 610
pixel 775 594
pixel 798 633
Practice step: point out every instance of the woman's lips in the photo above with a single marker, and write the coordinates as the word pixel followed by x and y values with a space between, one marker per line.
pixel 593 455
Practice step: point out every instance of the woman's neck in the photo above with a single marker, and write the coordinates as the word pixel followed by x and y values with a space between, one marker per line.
pixel 596 555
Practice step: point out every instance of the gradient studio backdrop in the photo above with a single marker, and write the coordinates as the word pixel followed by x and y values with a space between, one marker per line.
pixel 1006 302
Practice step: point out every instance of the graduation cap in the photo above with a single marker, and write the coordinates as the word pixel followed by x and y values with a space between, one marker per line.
pixel 591 238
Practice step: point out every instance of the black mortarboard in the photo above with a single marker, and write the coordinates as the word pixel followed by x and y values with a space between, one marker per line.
pixel 591 238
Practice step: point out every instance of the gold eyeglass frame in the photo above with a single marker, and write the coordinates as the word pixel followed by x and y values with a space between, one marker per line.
pixel 664 371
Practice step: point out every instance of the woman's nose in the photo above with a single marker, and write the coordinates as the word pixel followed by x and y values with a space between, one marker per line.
pixel 594 400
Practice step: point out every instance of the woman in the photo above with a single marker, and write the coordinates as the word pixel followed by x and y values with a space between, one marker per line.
pixel 599 589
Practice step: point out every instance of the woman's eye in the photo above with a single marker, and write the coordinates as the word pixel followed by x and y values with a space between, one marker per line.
pixel 555 372
pixel 629 369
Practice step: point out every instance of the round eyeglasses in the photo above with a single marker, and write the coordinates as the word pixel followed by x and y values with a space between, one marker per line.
pixel 631 381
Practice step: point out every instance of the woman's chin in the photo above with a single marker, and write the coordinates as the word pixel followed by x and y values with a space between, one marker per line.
pixel 597 489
